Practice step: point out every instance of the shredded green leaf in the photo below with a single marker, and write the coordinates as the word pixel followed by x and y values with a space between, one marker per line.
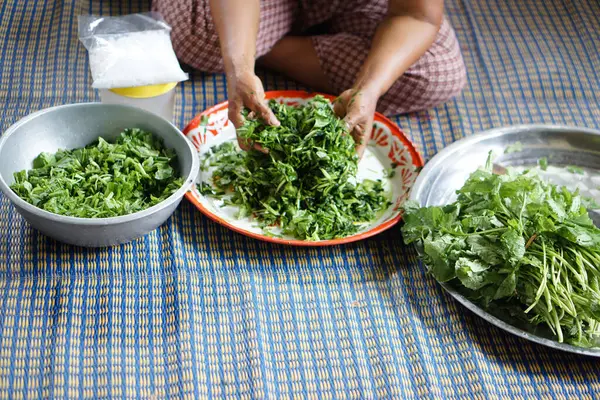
pixel 522 248
pixel 514 148
pixel 575 170
pixel 391 172
pixel 103 179
pixel 306 184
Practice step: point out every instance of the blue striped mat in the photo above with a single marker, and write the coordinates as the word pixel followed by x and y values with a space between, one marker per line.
pixel 193 310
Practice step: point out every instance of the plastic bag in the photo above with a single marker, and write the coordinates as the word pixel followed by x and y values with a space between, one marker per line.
pixel 130 50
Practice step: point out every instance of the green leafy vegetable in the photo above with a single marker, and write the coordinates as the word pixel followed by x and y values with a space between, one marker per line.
pixel 391 172
pixel 306 184
pixel 543 163
pixel 514 148
pixel 103 179
pixel 522 248
pixel 575 170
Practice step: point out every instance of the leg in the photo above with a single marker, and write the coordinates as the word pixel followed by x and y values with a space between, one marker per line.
pixel 195 39
pixel 295 57
pixel 437 76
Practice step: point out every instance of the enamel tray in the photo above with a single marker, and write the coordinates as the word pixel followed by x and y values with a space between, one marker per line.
pixel 388 146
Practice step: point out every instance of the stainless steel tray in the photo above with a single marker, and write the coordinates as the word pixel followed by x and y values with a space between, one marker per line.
pixel 449 169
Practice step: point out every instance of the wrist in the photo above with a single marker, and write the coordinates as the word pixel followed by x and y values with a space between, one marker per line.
pixel 368 85
pixel 368 90
pixel 239 69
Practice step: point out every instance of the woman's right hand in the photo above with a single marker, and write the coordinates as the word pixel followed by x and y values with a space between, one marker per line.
pixel 246 90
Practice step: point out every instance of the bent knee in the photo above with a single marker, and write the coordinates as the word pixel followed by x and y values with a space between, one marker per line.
pixel 431 82
pixel 442 84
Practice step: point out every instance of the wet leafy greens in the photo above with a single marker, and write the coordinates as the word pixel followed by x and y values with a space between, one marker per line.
pixel 306 184
pixel 520 247
pixel 103 179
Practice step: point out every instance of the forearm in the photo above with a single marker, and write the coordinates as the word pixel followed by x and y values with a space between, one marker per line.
pixel 237 22
pixel 401 39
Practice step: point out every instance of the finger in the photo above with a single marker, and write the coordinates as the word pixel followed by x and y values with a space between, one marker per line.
pixel 360 138
pixel 369 128
pixel 261 114
pixel 258 147
pixel 266 114
pixel 360 150
pixel 352 119
pixel 236 117
pixel 363 135
pixel 339 108
pixel 235 114
pixel 243 143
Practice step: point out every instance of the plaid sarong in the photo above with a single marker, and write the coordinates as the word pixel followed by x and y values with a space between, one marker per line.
pixel 350 26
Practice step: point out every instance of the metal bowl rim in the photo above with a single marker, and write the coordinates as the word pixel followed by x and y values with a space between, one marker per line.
pixel 440 157
pixel 435 162
pixel 19 202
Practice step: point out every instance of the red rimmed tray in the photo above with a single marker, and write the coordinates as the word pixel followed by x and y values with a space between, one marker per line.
pixel 388 146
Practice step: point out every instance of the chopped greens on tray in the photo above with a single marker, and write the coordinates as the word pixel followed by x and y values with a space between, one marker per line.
pixel 523 249
pixel 103 179
pixel 306 184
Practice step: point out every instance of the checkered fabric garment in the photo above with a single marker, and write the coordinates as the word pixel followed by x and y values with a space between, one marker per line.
pixel 193 310
pixel 438 76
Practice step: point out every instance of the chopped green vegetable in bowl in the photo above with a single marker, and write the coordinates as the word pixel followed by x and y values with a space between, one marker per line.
pixel 523 249
pixel 103 179
pixel 306 185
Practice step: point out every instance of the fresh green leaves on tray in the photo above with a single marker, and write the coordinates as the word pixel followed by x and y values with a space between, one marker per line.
pixel 103 179
pixel 306 184
pixel 518 246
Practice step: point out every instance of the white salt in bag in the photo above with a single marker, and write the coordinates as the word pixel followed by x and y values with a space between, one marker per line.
pixel 129 50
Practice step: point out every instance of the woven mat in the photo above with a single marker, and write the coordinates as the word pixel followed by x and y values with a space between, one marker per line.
pixel 194 310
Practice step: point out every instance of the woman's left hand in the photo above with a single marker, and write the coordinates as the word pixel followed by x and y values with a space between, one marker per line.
pixel 357 108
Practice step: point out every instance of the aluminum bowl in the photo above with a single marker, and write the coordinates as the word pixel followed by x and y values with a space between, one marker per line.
pixel 77 125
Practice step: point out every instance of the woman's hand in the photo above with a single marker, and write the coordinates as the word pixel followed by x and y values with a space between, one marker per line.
pixel 247 91
pixel 357 108
pixel 400 40
pixel 237 24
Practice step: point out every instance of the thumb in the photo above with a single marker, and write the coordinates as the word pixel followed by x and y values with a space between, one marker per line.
pixel 362 135
pixel 360 149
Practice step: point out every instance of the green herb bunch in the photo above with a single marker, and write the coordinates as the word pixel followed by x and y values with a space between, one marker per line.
pixel 524 249
pixel 306 184
pixel 103 179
